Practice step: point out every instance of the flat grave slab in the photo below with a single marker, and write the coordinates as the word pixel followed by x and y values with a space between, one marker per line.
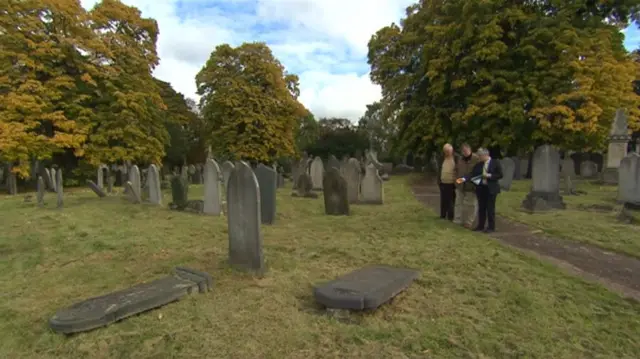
pixel 364 289
pixel 103 310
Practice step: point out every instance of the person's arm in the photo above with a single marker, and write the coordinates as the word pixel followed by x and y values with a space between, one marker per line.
pixel 496 174
pixel 475 171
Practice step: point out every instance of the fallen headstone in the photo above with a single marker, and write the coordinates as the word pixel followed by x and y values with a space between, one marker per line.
pixel 96 189
pixel 101 311
pixel 364 289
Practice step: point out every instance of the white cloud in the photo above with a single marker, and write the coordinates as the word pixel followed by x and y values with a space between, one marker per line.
pixel 323 41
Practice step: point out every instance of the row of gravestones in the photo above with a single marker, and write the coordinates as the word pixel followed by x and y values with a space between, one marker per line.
pixel 309 176
pixel 52 181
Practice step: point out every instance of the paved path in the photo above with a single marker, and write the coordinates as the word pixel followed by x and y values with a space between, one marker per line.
pixel 618 272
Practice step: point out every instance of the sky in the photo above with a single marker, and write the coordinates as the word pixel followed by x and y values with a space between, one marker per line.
pixel 324 42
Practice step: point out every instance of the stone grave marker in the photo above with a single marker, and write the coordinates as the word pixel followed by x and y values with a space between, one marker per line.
pixel 131 193
pixel 372 191
pixel 316 172
pixel 227 168
pixel 12 183
pixel 48 180
pixel 59 188
pixel 588 169
pixel 617 148
pixel 629 181
pixel 524 167
pixel 101 175
pixel 54 176
pixel 134 178
pixel 353 177
pixel 212 195
pixel 153 185
pixel 517 171
pixel 304 187
pixel 267 180
pixel 243 207
pixel 545 188
pixel 336 198
pixel 40 191
pixel 333 162
pixel 508 171
pixel 568 174
pixel 96 189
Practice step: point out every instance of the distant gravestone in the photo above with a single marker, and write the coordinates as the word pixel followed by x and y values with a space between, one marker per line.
pixel 304 187
pixel 524 167
pixel 212 195
pixel 372 191
pixel 243 207
pixel 267 180
pixel 568 174
pixel 40 191
pixel 508 171
pixel 629 180
pixel 54 186
pixel 280 180
pixel 545 188
pixel 101 175
pixel 153 184
pixel 227 168
pixel 131 193
pixel 333 162
pixel 48 180
pixel 12 183
pixel 97 190
pixel 191 174
pixel 296 171
pixel 618 144
pixel 517 171
pixel 353 177
pixel 336 200
pixel 316 172
pixel 588 169
pixel 134 178
pixel 59 188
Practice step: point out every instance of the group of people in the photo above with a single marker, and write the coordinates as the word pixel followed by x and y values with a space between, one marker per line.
pixel 469 187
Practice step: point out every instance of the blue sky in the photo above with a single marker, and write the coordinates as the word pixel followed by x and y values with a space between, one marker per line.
pixel 323 41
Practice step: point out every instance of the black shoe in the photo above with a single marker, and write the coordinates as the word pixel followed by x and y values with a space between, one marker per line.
pixel 489 230
pixel 478 229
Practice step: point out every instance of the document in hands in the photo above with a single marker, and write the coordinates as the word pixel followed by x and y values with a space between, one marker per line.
pixel 476 180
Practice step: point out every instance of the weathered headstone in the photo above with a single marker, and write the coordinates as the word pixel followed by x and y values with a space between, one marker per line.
pixel 243 206
pixel 336 198
pixel 280 180
pixel 617 150
pixel 227 168
pixel 508 170
pixel 12 183
pixel 54 176
pixel 153 185
pixel 267 180
pixel 372 191
pixel 629 181
pixel 134 178
pixel 353 177
pixel 304 187
pixel 40 191
pixel 131 193
pixel 568 174
pixel 96 189
pixel 588 169
pixel 191 171
pixel 100 176
pixel 545 188
pixel 212 195
pixel 48 180
pixel 316 172
pixel 59 188
pixel 179 192
pixel 517 169
pixel 524 167
pixel 333 162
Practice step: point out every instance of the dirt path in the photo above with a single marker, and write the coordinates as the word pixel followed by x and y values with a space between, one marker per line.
pixel 618 272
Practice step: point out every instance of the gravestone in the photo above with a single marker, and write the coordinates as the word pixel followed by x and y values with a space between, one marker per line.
pixel 243 207
pixel 179 192
pixel 617 150
pixel 372 191
pixel 59 188
pixel 336 198
pixel 12 183
pixel 629 181
pixel 316 171
pixel 545 188
pixel 48 180
pixel 281 183
pixel 508 170
pixel 588 169
pixel 227 168
pixel 333 162
pixel 131 194
pixel 517 169
pixel 212 195
pixel 153 184
pixel 296 170
pixel 267 180
pixel 568 174
pixel 134 178
pixel 352 175
pixel 304 187
pixel 40 192
pixel 524 167
pixel 54 176
pixel 97 190
pixel 101 175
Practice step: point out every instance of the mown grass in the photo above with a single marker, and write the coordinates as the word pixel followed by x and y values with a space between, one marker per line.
pixel 475 298
pixel 589 218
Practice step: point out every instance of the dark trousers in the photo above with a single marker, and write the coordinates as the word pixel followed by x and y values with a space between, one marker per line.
pixel 447 200
pixel 486 207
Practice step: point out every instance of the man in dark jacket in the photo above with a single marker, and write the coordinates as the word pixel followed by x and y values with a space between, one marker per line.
pixel 486 173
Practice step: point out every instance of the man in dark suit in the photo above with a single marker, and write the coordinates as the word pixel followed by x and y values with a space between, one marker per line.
pixel 488 171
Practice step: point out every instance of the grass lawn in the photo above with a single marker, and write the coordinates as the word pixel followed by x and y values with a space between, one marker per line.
pixel 475 298
pixel 589 217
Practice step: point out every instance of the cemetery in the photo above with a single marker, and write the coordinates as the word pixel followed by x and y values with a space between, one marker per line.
pixel 274 210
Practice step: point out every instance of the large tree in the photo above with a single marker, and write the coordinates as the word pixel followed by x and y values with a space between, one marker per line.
pixel 508 74
pixel 249 103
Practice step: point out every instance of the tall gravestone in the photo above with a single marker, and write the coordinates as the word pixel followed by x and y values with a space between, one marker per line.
pixel 267 180
pixel 153 181
pixel 134 178
pixel 508 172
pixel 371 187
pixel 54 176
pixel 617 150
pixel 545 174
pixel 517 172
pixel 59 188
pixel 317 172
pixel 245 236
pixel 227 168
pixel 212 195
pixel 629 181
pixel 46 173
pixel 336 199
pixel 304 187
pixel 40 191
pixel 12 183
pixel 333 162
pixel 353 177
pixel 568 174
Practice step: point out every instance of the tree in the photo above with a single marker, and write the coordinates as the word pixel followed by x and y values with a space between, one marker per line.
pixel 308 132
pixel 377 126
pixel 338 137
pixel 504 74
pixel 249 103
pixel 45 79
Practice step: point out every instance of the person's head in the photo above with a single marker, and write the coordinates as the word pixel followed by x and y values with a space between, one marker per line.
pixel 483 154
pixel 447 149
pixel 466 150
